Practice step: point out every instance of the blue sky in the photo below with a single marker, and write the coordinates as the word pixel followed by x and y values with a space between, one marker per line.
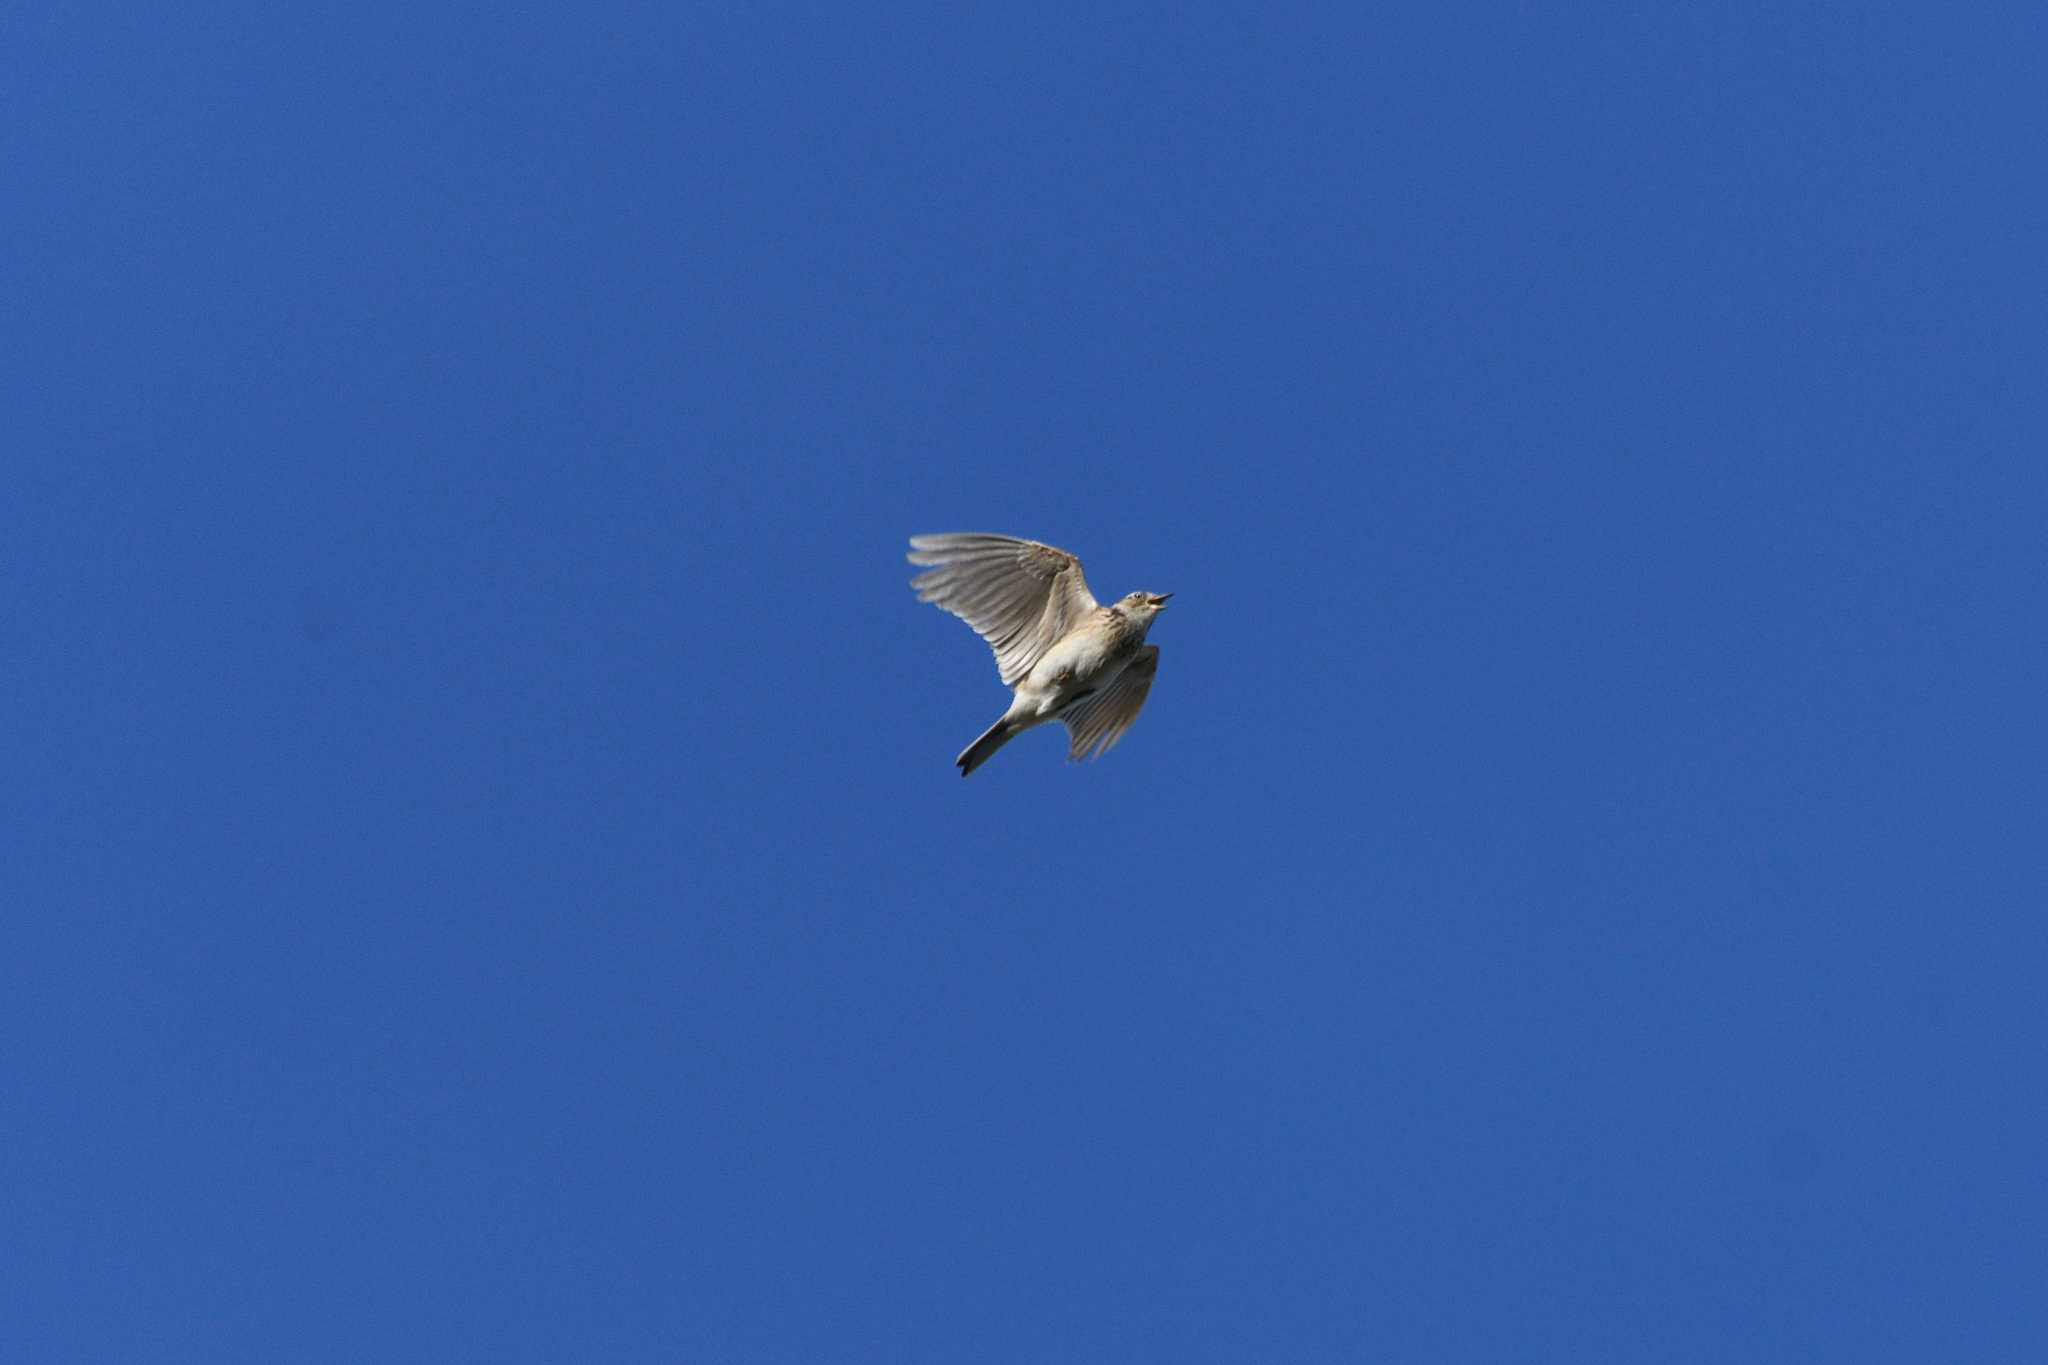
pixel 484 871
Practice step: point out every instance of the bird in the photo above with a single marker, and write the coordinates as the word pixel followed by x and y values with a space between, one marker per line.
pixel 1066 656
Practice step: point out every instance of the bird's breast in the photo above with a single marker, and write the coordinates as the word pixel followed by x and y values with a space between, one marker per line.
pixel 1085 660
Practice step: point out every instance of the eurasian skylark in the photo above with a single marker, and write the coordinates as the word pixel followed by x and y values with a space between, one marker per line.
pixel 1067 657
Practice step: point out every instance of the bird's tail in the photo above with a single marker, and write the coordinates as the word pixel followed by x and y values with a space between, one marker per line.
pixel 992 739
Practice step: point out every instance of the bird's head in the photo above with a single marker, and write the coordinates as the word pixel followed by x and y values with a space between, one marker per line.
pixel 1143 606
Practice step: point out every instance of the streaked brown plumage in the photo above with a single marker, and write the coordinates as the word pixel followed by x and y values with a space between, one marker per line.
pixel 1067 657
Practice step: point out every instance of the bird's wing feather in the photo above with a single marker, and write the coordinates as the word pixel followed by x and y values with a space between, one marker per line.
pixel 1019 595
pixel 1098 721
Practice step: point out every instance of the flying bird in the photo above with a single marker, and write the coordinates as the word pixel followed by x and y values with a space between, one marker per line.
pixel 1067 657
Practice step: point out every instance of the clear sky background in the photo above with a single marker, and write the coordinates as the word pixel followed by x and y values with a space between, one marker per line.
pixel 484 877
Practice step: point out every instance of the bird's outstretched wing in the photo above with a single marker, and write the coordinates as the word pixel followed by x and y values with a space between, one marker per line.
pixel 1018 595
pixel 1096 722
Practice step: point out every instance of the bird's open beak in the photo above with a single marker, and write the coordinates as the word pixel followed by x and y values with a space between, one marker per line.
pixel 1159 598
